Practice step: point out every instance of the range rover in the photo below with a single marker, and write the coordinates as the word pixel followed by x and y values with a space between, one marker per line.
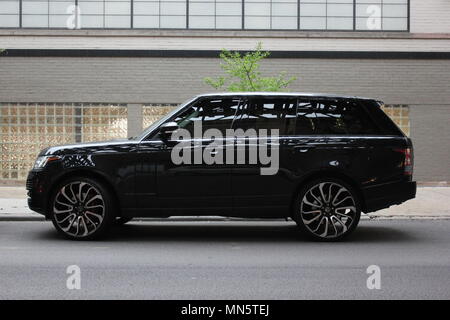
pixel 327 159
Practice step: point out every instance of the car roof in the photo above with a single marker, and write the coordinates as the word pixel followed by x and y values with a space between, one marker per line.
pixel 284 94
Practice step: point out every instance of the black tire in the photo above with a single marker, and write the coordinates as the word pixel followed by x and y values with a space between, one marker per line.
pixel 120 221
pixel 88 218
pixel 330 219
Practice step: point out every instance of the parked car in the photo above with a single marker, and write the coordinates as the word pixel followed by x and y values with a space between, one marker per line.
pixel 338 156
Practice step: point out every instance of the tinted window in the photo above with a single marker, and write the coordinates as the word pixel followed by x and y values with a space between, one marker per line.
pixel 387 125
pixel 333 117
pixel 268 113
pixel 211 113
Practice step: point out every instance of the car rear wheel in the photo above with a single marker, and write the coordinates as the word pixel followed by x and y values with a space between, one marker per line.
pixel 327 209
pixel 82 209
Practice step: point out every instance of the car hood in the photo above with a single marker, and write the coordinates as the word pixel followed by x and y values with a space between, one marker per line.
pixel 122 145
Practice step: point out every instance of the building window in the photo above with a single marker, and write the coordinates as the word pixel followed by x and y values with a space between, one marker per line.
pixel 215 14
pixel 91 14
pixel 326 15
pixel 386 15
pixel 400 115
pixel 172 14
pixel 25 129
pixel 364 15
pixel 271 14
pixel 146 14
pixel 9 14
pixel 107 14
pixel 35 14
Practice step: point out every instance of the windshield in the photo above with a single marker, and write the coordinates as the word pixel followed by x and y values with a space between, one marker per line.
pixel 156 124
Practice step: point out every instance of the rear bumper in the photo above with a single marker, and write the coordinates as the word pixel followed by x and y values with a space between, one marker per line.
pixel 385 195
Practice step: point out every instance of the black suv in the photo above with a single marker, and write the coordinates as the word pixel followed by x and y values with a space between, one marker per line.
pixel 318 159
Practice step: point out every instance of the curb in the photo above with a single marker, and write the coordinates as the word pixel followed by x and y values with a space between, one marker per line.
pixel 225 219
pixel 7 219
pixel 406 217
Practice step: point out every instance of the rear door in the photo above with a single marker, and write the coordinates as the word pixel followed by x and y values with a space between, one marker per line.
pixel 333 135
pixel 305 150
pixel 262 185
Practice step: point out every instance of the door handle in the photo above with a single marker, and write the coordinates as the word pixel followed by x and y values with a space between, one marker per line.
pixel 302 149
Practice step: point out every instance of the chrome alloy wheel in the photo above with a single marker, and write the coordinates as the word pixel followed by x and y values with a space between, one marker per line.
pixel 328 210
pixel 79 209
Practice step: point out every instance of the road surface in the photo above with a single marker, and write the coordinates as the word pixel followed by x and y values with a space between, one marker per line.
pixel 227 260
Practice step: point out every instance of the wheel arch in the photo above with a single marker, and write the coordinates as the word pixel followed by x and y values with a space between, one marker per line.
pixel 329 174
pixel 82 173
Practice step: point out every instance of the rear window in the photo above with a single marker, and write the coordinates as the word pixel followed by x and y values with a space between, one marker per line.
pixel 387 126
pixel 338 117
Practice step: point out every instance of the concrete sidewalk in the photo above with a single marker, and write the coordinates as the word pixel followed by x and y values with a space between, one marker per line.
pixel 431 202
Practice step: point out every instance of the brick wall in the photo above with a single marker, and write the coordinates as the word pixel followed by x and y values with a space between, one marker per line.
pixel 429 16
pixel 430 132
pixel 168 80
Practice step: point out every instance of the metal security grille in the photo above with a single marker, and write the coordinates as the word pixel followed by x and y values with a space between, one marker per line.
pixel 373 15
pixel 154 112
pixel 400 115
pixel 25 129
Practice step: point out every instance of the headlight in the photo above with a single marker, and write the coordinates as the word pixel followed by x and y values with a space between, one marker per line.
pixel 42 161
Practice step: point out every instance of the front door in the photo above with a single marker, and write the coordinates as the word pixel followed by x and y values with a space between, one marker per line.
pixel 190 178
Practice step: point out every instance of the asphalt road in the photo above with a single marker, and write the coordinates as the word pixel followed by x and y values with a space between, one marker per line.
pixel 227 260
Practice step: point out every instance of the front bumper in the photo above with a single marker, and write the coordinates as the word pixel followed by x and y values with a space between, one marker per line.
pixel 38 184
pixel 385 195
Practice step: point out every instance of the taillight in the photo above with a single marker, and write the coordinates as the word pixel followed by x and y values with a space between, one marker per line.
pixel 408 162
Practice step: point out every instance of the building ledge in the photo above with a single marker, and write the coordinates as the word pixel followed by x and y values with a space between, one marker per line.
pixel 215 40
pixel 221 33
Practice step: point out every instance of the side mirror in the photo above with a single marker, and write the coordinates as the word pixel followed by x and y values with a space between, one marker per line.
pixel 167 129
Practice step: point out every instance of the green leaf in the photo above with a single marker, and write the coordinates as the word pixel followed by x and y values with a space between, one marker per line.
pixel 242 73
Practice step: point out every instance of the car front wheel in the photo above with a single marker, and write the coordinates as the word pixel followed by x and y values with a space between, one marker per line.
pixel 82 209
pixel 327 209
